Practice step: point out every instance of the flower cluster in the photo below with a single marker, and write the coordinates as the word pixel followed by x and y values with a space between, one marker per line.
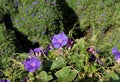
pixel 58 41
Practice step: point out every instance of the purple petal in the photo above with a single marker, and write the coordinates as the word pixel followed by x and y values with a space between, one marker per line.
pixel 64 42
pixel 63 36
pixel 28 64
pixel 31 52
pixel 38 64
pixel 37 50
pixel 54 39
pixel 35 2
pixel 117 59
pixel 115 51
pixel 32 69
pixel 56 45
pixel 5 81
pixel 33 59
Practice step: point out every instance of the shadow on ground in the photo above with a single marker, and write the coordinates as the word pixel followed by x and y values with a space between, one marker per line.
pixel 21 41
pixel 70 18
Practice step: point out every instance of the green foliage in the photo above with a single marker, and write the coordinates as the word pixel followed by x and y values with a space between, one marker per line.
pixel 6 41
pixel 6 6
pixel 66 74
pixel 96 17
pixel 98 14
pixel 58 63
pixel 39 20
pixel 45 77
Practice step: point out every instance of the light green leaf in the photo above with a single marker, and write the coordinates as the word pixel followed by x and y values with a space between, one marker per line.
pixel 66 74
pixel 58 63
pixel 45 77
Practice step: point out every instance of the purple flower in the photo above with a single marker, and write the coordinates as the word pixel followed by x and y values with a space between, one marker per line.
pixel 59 40
pixel 4 80
pixel 116 53
pixel 32 64
pixel 35 3
pixel 37 50
pixel 33 14
pixel 31 52
pixel 69 44
pixel 23 18
pixel 92 58
pixel 49 47
pixel 91 50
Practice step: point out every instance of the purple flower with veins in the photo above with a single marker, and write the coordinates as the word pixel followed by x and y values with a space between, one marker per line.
pixel 59 40
pixel 32 64
pixel 116 53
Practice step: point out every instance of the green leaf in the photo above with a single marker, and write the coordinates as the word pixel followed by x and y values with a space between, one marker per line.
pixel 66 74
pixel 45 77
pixel 113 76
pixel 58 63
pixel 81 45
pixel 91 69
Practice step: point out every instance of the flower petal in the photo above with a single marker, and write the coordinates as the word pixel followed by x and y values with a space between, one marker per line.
pixel 32 69
pixel 56 45
pixel 115 51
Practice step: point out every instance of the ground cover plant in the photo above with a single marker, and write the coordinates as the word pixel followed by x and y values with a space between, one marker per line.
pixel 54 41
